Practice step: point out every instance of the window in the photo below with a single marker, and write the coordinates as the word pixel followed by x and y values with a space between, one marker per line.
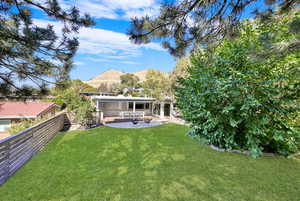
pixel 140 106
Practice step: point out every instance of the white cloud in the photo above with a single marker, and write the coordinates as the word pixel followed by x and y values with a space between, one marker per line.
pixel 97 41
pixel 128 4
pixel 129 62
pixel 151 11
pixel 104 43
pixel 106 60
pixel 78 63
pixel 96 59
pixel 118 57
pixel 115 9
pixel 97 10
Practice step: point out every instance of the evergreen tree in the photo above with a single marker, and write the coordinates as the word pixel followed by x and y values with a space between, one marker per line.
pixel 188 24
pixel 32 53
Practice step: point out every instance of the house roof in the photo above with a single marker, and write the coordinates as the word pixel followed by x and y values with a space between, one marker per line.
pixel 122 99
pixel 12 109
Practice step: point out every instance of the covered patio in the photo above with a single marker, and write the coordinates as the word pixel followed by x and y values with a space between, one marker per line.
pixel 110 108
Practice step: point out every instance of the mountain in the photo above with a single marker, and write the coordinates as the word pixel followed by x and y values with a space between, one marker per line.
pixel 108 77
pixel 112 76
pixel 141 74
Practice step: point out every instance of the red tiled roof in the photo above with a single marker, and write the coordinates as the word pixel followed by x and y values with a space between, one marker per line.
pixel 26 109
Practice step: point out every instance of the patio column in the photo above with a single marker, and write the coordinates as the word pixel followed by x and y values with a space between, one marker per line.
pixel 133 106
pixel 162 111
pixel 152 108
pixel 98 113
pixel 171 110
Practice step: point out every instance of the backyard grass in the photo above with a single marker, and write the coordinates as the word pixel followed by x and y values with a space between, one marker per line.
pixel 153 164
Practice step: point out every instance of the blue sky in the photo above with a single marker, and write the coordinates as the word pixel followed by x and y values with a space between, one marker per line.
pixel 106 45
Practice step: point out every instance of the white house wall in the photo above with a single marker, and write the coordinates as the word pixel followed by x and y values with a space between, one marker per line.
pixel 113 109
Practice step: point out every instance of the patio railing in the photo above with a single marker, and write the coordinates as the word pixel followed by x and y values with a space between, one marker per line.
pixel 132 115
pixel 16 150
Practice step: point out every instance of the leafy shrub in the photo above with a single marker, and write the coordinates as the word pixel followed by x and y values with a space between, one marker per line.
pixel 235 99
pixel 84 113
pixel 24 124
pixel 76 105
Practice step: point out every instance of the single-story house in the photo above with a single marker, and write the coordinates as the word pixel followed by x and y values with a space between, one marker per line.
pixel 128 107
pixel 13 112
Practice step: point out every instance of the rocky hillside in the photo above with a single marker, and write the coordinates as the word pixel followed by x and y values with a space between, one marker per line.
pixel 112 76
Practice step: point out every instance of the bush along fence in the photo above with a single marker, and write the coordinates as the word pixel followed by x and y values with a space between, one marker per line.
pixel 17 149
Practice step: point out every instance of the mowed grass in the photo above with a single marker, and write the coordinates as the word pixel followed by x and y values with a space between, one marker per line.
pixel 154 164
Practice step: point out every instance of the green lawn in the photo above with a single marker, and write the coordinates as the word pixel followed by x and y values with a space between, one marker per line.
pixel 159 163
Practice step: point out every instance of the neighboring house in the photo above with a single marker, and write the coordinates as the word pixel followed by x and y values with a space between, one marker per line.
pixel 13 112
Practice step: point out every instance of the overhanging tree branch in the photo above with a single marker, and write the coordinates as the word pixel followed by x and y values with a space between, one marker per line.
pixel 34 53
pixel 195 23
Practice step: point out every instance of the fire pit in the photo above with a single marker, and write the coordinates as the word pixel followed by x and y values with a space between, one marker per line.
pixel 135 121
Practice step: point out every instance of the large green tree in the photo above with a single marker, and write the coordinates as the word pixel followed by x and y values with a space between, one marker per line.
pixel 129 80
pixel 235 99
pixel 76 85
pixel 189 24
pixel 32 53
pixel 180 70
pixel 157 85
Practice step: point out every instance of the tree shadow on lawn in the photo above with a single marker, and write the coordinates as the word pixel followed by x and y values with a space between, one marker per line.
pixel 148 164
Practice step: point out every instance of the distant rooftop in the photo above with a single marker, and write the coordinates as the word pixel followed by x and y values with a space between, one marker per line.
pixel 32 109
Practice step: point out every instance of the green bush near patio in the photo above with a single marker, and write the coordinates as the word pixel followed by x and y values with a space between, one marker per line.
pixel 80 108
pixel 153 164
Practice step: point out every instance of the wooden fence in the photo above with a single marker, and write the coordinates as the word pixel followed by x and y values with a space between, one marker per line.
pixel 16 150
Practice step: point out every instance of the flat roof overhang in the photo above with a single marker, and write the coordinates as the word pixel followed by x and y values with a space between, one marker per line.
pixel 122 99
